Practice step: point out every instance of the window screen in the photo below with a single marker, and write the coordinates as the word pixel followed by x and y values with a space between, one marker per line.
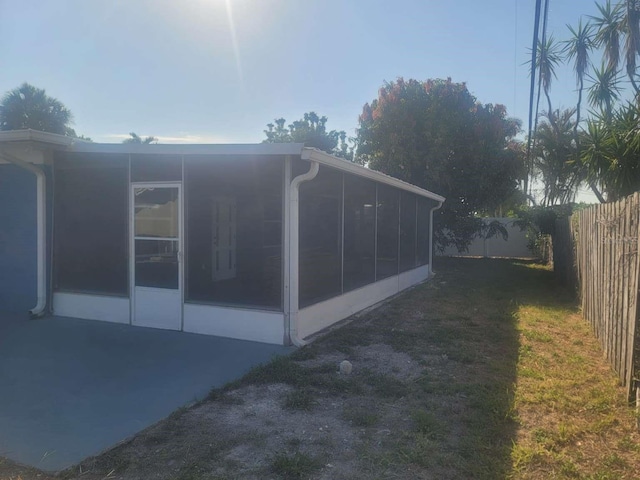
pixel 320 237
pixel 407 231
pixel 387 250
pixel 424 208
pixel 359 232
pixel 234 230
pixel 156 168
pixel 91 223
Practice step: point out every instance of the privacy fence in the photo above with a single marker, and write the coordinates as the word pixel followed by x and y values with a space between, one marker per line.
pixel 516 245
pixel 596 252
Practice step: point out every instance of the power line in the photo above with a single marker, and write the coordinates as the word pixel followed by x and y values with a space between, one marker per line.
pixel 536 28
pixel 543 43
pixel 515 55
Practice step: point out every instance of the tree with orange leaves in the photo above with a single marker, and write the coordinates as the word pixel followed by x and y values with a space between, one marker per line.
pixel 436 135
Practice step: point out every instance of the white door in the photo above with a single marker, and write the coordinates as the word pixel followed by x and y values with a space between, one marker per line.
pixel 223 238
pixel 157 255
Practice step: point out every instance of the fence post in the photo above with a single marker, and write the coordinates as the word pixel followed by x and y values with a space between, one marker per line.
pixel 638 406
pixel 631 332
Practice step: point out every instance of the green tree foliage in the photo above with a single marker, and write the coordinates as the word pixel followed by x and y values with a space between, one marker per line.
pixel 137 139
pixel 611 151
pixel 604 154
pixel 548 59
pixel 604 91
pixel 312 131
pixel 554 158
pixel 29 107
pixel 578 49
pixel 435 134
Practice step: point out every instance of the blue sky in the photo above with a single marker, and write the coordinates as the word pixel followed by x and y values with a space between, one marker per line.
pixel 179 71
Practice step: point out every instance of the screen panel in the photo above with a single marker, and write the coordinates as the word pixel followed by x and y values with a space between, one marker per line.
pixel 359 232
pixel 408 254
pixel 320 255
pixel 91 223
pixel 387 231
pixel 234 230
pixel 423 234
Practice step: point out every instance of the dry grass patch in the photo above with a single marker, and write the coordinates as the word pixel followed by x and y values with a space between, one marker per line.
pixel 485 372
pixel 574 421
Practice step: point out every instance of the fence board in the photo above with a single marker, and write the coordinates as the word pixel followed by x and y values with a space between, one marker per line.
pixel 596 253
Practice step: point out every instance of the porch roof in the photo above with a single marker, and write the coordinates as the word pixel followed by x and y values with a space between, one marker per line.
pixel 297 149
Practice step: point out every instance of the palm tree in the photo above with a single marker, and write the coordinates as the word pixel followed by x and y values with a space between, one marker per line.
pixel 135 138
pixel 547 60
pixel 578 48
pixel 29 107
pixel 617 23
pixel 632 40
pixel 608 33
pixel 611 151
pixel 555 157
pixel 604 89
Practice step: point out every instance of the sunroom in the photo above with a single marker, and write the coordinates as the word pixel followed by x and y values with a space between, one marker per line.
pixel 264 242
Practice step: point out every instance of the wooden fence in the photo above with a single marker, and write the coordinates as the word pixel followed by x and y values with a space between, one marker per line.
pixel 596 251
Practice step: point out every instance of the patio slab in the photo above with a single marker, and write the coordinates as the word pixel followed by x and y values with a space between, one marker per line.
pixel 72 388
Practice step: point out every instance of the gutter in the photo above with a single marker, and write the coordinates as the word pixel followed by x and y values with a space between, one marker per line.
pixel 439 206
pixel 41 218
pixel 294 252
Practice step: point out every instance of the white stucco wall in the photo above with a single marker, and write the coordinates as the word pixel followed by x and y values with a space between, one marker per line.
pixel 324 314
pixel 92 307
pixel 515 246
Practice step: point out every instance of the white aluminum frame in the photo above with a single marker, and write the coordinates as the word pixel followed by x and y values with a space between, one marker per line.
pixel 132 239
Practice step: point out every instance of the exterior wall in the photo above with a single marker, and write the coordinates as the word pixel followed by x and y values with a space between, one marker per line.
pixel 92 307
pixel 18 239
pixel 324 314
pixel 244 324
pixel 515 246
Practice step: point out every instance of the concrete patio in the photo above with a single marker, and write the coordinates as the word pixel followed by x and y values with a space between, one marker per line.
pixel 72 388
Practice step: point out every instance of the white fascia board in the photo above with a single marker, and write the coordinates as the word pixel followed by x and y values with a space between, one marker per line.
pixel 191 149
pixel 324 158
pixel 29 135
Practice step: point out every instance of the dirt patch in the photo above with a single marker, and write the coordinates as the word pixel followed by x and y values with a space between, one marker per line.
pixel 245 429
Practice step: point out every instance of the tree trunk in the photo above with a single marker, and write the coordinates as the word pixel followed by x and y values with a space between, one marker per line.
pixel 578 106
pixel 596 192
pixel 576 139
pixel 633 83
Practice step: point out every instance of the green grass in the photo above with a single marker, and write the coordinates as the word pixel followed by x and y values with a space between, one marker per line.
pixel 360 417
pixel 299 400
pixel 426 423
pixel 294 466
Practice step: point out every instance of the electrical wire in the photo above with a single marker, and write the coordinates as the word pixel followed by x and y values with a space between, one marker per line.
pixel 536 28
pixel 543 43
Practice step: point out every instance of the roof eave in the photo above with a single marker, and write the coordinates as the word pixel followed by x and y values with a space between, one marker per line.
pixel 28 135
pixel 319 156
pixel 191 149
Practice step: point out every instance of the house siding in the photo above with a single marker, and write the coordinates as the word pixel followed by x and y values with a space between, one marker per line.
pixel 18 239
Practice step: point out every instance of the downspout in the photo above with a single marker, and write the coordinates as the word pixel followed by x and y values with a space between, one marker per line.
pixel 294 251
pixel 431 272
pixel 41 219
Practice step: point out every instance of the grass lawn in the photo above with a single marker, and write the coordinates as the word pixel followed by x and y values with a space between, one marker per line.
pixel 487 371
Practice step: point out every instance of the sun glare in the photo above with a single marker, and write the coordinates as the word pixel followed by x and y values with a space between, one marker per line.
pixel 220 8
pixel 234 39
